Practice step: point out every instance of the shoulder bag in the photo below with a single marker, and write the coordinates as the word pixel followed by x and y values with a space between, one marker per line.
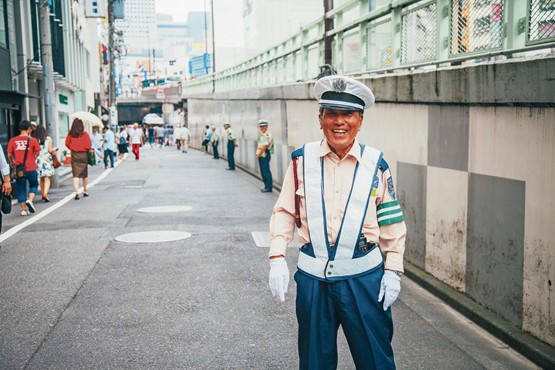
pixel 18 170
pixel 55 161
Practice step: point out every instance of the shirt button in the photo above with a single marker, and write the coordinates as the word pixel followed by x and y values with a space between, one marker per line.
pixel 329 272
pixel 331 266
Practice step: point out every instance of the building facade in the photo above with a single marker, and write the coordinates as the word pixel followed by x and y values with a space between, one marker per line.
pixel 76 68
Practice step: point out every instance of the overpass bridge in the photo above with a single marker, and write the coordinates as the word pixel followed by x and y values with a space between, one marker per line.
pixel 465 115
pixel 161 100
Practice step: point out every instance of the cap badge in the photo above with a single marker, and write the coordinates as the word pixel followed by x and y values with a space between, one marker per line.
pixel 339 85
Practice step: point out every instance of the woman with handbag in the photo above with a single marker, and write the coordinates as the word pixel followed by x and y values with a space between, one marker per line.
pixel 45 164
pixel 79 142
pixel 22 153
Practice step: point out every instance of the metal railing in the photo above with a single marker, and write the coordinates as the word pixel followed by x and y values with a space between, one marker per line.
pixel 403 34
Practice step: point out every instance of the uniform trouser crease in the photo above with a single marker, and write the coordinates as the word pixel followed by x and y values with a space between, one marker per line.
pixel 353 304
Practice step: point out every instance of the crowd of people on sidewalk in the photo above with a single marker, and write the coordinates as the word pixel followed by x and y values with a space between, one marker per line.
pixel 35 155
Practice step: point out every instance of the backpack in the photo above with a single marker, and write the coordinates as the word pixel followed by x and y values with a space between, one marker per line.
pixel 122 140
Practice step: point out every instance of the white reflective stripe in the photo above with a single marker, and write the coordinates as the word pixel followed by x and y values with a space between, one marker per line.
pixel 340 102
pixel 320 267
pixel 388 209
pixel 313 198
pixel 356 208
pixel 390 216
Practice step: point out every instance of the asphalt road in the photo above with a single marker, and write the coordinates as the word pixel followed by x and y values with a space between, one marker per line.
pixel 72 297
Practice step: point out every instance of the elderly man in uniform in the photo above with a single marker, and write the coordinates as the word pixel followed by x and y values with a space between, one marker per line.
pixel 231 145
pixel 264 154
pixel 340 195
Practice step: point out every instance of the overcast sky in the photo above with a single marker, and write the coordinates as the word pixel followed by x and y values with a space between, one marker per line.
pixel 228 17
pixel 179 8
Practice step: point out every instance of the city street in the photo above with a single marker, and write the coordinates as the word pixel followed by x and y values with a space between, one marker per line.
pixel 74 297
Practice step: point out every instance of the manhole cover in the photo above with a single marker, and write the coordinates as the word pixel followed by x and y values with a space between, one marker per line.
pixel 153 236
pixel 164 209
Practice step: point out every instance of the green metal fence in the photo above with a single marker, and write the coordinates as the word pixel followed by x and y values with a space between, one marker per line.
pixel 400 34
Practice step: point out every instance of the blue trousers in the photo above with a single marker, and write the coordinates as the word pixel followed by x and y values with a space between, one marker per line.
pixel 352 303
pixel 264 163
pixel 21 186
pixel 108 153
pixel 215 150
pixel 230 154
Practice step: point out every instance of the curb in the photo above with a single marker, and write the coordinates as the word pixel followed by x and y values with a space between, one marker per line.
pixel 529 346
pixel 64 173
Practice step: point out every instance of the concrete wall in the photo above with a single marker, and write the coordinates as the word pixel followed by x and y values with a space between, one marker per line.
pixel 472 150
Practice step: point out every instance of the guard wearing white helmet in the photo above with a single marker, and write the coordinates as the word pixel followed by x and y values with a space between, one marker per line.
pixel 340 195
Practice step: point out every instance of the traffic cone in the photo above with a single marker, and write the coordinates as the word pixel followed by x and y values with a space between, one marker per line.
pixel 67 159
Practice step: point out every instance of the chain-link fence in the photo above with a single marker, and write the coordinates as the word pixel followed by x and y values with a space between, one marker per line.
pixel 408 33
pixel 380 44
pixel 541 24
pixel 418 36
pixel 476 25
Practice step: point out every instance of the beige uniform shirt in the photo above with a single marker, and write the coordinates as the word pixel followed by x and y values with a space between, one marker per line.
pixel 338 178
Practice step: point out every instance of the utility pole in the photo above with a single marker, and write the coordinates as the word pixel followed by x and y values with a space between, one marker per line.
pixel 112 81
pixel 328 26
pixel 213 37
pixel 48 87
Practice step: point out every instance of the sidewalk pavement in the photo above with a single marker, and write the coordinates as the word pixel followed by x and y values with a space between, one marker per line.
pixel 73 296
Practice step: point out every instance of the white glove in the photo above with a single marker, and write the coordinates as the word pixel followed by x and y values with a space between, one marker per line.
pixel 279 278
pixel 389 288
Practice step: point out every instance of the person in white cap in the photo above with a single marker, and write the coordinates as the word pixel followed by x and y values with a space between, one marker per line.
pixel 231 145
pixel 264 155
pixel 340 195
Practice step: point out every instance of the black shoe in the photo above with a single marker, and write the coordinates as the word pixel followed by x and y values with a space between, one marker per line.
pixel 76 196
pixel 266 190
pixel 230 169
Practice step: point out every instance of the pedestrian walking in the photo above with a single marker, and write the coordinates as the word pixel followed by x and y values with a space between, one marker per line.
pixel 6 183
pixel 96 139
pixel 122 143
pixel 207 137
pixel 214 142
pixel 231 145
pixel 264 155
pixel 160 132
pixel 109 145
pixel 45 165
pixel 80 144
pixel 340 195
pixel 184 137
pixel 151 132
pixel 24 149
pixel 136 138
pixel 177 136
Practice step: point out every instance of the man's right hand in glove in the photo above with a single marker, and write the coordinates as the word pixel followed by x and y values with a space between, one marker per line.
pixel 279 277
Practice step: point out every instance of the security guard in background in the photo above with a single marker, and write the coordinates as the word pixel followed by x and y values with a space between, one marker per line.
pixel 231 145
pixel 264 154
pixel 340 195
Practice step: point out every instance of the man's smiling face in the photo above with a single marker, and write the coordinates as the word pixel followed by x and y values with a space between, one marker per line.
pixel 340 128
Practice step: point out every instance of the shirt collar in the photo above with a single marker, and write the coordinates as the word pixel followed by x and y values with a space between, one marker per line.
pixel 354 152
